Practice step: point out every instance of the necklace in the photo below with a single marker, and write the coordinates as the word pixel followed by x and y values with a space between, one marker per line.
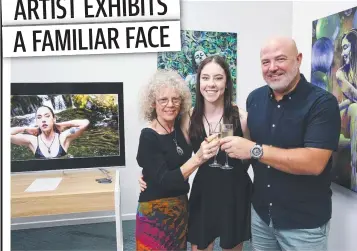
pixel 48 147
pixel 178 148
pixel 208 122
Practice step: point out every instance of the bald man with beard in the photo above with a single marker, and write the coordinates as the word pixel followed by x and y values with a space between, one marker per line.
pixel 294 128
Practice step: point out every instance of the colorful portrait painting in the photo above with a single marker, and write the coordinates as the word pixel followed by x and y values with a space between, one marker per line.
pixel 196 46
pixel 334 68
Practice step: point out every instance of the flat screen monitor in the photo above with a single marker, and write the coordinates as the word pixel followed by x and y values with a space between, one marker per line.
pixel 58 126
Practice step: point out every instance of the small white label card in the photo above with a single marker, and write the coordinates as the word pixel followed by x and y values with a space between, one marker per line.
pixel 44 184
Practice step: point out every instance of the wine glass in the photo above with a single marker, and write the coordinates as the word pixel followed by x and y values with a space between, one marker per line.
pixel 215 128
pixel 227 130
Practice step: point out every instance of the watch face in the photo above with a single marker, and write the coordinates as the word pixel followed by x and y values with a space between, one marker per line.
pixel 256 151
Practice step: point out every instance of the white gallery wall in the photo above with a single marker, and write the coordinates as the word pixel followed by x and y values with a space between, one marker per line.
pixel 344 202
pixel 253 21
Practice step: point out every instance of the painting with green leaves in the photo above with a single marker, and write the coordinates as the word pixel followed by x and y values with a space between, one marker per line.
pixel 196 46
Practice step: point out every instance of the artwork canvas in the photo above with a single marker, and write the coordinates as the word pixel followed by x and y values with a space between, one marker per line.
pixel 196 46
pixel 334 68
pixel 66 126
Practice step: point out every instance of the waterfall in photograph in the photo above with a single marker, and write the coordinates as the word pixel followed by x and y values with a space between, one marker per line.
pixel 101 138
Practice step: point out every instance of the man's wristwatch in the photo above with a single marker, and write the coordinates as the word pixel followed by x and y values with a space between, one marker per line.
pixel 257 151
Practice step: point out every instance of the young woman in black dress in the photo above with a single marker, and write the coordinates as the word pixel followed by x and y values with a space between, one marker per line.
pixel 219 203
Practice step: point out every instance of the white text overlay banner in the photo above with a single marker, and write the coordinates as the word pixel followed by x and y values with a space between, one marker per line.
pixel 31 12
pixel 104 38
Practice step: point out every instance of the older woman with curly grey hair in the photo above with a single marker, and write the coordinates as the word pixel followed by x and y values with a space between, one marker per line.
pixel 167 162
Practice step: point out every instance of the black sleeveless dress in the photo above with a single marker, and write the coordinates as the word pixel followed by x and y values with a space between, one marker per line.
pixel 219 203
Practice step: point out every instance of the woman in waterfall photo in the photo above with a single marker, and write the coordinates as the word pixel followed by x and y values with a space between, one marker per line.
pixel 49 138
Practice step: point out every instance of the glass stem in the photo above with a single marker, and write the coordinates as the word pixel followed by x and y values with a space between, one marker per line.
pixel 215 158
pixel 226 159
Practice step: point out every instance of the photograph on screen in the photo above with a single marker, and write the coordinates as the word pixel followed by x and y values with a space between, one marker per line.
pixel 66 126
pixel 334 68
pixel 195 47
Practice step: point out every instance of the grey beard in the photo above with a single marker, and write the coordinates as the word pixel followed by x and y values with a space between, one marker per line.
pixel 279 87
pixel 282 86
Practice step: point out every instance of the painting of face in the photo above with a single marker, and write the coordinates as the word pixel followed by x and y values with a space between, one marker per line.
pixel 346 51
pixel 44 119
pixel 168 104
pixel 199 57
pixel 212 82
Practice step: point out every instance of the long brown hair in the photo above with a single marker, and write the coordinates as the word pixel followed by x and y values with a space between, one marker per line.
pixel 230 113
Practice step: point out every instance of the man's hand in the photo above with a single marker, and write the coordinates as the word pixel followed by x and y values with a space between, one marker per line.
pixel 237 147
pixel 142 183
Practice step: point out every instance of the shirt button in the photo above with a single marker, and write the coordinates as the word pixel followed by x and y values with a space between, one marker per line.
pixel 268 166
pixel 289 97
pixel 270 204
pixel 278 106
pixel 273 125
pixel 268 185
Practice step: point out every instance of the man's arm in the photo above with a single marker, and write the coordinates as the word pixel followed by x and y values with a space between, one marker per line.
pixel 320 139
pixel 300 161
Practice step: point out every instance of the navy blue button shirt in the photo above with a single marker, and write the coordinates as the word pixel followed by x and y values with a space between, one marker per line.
pixel 307 117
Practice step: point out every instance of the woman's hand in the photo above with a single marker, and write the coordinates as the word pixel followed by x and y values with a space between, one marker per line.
pixel 208 149
pixel 142 183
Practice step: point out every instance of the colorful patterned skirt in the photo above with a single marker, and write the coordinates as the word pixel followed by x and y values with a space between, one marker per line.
pixel 162 224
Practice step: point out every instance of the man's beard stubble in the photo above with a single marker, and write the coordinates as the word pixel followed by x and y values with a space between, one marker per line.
pixel 282 85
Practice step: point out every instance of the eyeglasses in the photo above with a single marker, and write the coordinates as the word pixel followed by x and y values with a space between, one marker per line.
pixel 165 101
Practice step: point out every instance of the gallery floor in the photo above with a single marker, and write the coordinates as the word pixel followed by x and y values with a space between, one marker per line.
pixel 86 237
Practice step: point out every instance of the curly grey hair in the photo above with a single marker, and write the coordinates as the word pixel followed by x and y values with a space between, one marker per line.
pixel 163 78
